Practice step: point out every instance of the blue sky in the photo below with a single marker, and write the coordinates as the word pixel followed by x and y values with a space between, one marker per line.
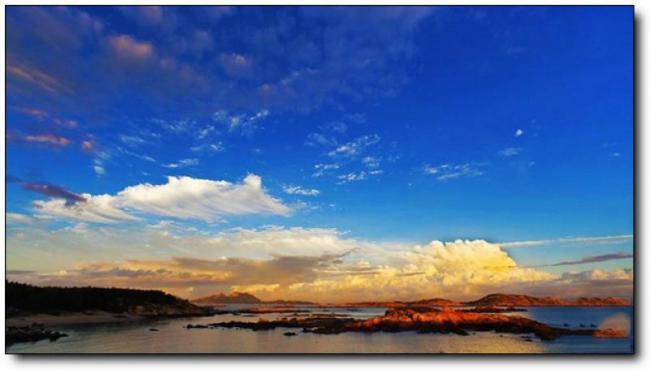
pixel 386 124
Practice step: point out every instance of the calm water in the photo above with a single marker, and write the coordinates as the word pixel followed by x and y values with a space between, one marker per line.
pixel 172 337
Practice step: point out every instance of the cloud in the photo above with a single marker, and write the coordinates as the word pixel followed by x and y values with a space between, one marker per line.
pixel 357 176
pixel 37 77
pixel 42 139
pixel 294 60
pixel 453 171
pixel 371 162
pixel 214 147
pixel 510 152
pixel 132 140
pixel 297 190
pixel 291 263
pixel 13 217
pixel 99 162
pixel 128 48
pixel 88 146
pixel 355 147
pixel 322 168
pixel 320 139
pixel 181 197
pixel 239 121
pixel 99 170
pixel 236 65
pixel 592 259
pixel 188 162
pixel 48 190
pixel 187 198
pixel 98 208
pixel 149 14
pixel 519 132
pixel 33 112
pixel 596 240
pixel 41 115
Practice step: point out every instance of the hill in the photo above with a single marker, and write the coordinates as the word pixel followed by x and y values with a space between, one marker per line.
pixel 242 298
pixel 516 300
pixel 508 300
pixel 29 299
pixel 595 301
pixel 232 298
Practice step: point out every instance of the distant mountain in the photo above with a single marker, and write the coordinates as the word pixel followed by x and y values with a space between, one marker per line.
pixel 28 299
pixel 516 300
pixel 289 302
pixel 526 301
pixel 242 298
pixel 595 301
pixel 441 302
pixel 234 297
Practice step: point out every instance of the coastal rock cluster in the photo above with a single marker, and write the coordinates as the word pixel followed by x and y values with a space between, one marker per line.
pixel 30 333
pixel 421 320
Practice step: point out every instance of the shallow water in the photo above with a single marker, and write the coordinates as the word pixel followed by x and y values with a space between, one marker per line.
pixel 172 337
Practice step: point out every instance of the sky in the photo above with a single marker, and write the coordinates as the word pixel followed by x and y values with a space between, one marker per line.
pixel 321 153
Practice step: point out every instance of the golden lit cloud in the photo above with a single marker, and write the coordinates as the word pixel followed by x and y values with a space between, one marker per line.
pixel 298 263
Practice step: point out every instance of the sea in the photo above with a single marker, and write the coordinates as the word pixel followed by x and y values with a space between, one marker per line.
pixel 172 336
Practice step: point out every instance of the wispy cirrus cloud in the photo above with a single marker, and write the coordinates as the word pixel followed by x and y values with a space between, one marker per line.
pixel 321 169
pixel 239 121
pixel 595 240
pixel 591 259
pixel 355 147
pixel 187 162
pixel 357 176
pixel 298 190
pixel 447 171
pixel 37 78
pixel 48 140
pixel 510 152
pixel 48 190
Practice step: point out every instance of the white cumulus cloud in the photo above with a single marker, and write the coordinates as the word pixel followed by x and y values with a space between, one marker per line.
pixel 181 197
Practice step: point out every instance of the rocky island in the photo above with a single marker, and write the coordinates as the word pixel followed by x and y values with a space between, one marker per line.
pixel 420 320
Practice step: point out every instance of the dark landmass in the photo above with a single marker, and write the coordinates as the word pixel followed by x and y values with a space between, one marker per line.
pixel 235 297
pixel 243 298
pixel 491 300
pixel 518 300
pixel 595 301
pixel 421 320
pixel 437 302
pixel 290 302
pixel 494 300
pixel 24 299
pixel 27 307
